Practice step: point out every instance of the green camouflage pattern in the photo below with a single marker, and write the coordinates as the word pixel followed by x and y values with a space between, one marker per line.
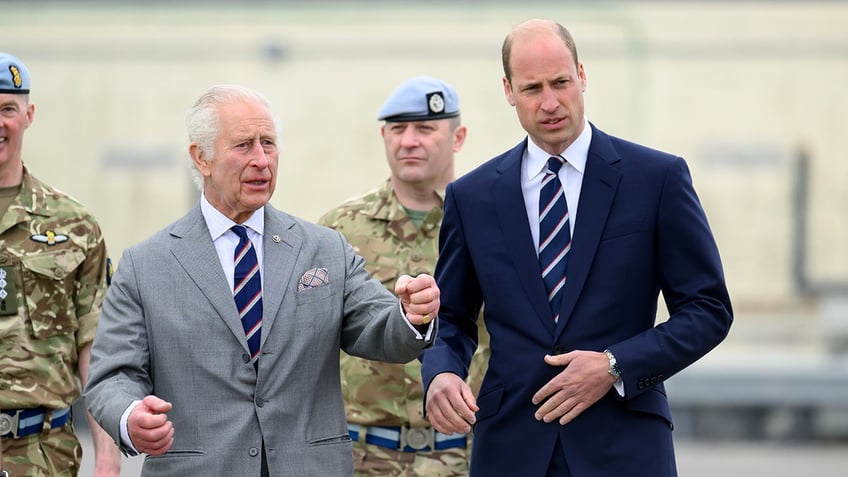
pixel 54 251
pixel 386 394
pixel 56 453
pixel 371 460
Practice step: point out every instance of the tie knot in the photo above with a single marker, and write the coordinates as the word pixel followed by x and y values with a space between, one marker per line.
pixel 240 230
pixel 554 163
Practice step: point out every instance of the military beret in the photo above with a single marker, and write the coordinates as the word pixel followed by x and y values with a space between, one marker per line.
pixel 14 76
pixel 420 99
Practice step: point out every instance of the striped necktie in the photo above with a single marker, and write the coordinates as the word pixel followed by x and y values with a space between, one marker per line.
pixel 554 234
pixel 247 291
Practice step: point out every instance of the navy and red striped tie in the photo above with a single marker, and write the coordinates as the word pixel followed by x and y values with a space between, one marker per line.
pixel 554 234
pixel 247 291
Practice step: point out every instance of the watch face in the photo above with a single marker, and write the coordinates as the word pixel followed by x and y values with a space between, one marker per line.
pixel 613 364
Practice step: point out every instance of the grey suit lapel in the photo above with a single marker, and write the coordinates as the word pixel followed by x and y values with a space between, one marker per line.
pixel 196 253
pixel 282 243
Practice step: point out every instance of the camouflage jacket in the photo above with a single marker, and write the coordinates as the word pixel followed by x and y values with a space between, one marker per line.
pixel 53 269
pixel 385 394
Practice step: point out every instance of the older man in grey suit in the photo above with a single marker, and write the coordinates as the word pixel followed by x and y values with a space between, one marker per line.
pixel 206 381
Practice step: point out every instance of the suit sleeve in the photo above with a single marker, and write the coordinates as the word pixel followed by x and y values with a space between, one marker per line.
pixel 461 299
pixel 120 354
pixel 692 283
pixel 373 325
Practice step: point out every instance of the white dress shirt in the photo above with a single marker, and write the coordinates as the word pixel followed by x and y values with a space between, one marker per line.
pixel 225 240
pixel 534 164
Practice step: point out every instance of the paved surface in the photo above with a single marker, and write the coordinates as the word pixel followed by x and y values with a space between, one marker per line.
pixel 729 459
pixel 694 459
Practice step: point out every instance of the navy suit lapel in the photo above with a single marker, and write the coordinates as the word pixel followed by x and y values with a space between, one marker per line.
pixel 196 253
pixel 509 204
pixel 600 182
pixel 282 245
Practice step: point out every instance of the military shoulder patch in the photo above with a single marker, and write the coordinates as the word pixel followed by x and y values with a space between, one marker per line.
pixel 8 293
pixel 49 237
pixel 110 270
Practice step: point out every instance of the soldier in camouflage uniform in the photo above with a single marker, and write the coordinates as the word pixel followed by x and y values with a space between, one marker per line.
pixel 395 228
pixel 53 273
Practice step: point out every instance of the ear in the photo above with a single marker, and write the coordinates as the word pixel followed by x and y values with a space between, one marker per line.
pixel 581 73
pixel 508 92
pixel 199 159
pixel 459 138
pixel 30 113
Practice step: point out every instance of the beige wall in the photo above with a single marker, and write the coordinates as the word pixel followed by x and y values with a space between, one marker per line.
pixel 735 89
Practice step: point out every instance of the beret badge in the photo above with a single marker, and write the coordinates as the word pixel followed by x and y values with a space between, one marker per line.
pixel 16 76
pixel 436 102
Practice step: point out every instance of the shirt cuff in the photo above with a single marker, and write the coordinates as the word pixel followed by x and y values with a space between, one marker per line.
pixel 427 336
pixel 619 387
pixel 125 434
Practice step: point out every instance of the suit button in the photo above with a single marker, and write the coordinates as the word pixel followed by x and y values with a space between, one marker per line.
pixel 253 452
pixel 260 402
pixel 557 350
pixel 245 358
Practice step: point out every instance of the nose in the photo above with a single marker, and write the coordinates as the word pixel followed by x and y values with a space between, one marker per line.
pixel 549 100
pixel 409 138
pixel 261 158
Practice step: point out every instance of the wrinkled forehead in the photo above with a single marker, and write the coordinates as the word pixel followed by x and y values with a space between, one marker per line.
pixel 246 119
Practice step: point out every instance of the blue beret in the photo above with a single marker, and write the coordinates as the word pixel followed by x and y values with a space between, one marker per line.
pixel 420 99
pixel 14 76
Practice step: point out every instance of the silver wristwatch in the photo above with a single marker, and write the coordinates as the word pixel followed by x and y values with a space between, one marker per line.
pixel 613 365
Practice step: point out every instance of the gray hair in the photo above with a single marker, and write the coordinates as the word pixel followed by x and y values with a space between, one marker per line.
pixel 203 124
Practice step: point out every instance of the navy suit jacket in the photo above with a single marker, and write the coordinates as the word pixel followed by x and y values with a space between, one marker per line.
pixel 640 230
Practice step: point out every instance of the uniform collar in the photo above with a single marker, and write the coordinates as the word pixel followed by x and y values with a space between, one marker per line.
pixel 32 197
pixel 388 207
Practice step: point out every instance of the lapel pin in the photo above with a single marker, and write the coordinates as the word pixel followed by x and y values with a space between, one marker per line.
pixel 275 238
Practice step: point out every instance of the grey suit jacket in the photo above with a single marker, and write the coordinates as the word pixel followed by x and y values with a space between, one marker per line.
pixel 169 327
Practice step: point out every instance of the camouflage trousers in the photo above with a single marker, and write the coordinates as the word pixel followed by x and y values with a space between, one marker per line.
pixel 55 453
pixel 370 460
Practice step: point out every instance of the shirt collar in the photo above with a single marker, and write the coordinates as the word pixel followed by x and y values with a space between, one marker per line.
pixel 575 154
pixel 219 223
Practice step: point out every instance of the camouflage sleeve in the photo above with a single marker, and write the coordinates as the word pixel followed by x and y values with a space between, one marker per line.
pixel 329 218
pixel 91 287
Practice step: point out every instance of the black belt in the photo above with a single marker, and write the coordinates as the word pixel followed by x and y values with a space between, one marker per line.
pixel 23 422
